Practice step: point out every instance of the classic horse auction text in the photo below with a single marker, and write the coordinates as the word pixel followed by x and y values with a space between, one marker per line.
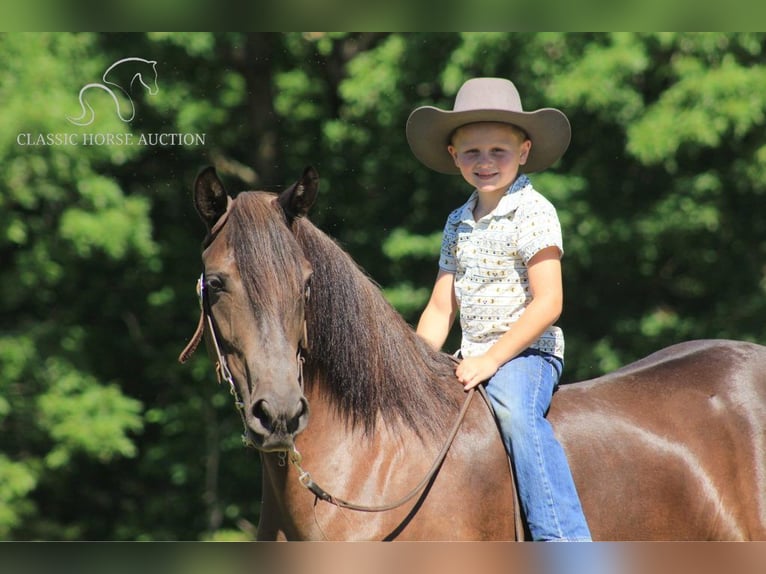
pixel 128 139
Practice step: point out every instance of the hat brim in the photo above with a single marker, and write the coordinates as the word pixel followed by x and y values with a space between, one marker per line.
pixel 429 130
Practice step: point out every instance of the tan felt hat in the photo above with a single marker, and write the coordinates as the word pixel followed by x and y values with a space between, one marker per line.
pixel 429 129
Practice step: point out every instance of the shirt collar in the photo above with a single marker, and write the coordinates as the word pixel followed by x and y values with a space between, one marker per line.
pixel 508 203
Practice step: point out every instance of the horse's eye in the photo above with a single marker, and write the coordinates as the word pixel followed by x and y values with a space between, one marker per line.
pixel 214 284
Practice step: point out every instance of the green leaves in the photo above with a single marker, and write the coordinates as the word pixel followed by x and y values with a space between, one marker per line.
pixel 61 220
pixel 105 220
pixel 82 415
pixel 18 480
pixel 401 243
pixel 702 109
pixel 604 80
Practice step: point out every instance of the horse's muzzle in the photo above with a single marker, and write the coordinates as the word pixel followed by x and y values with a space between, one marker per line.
pixel 274 427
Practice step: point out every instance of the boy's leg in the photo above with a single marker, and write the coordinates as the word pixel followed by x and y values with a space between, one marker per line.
pixel 521 392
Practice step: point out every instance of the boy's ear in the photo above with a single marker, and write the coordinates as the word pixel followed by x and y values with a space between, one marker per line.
pixel 525 148
pixel 453 152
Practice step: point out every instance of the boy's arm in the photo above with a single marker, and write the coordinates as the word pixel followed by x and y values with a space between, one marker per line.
pixel 437 318
pixel 543 311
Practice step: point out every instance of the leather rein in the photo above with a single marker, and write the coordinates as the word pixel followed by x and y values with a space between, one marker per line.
pixel 223 373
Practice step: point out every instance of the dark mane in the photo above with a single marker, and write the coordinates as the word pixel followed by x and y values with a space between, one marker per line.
pixel 369 357
pixel 362 352
pixel 267 262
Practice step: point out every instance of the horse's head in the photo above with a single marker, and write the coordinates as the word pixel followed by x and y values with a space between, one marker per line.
pixel 254 290
pixel 148 79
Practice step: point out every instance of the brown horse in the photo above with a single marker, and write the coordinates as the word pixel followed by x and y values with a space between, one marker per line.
pixel 670 447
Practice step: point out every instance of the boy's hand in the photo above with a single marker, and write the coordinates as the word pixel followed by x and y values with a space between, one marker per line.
pixel 474 370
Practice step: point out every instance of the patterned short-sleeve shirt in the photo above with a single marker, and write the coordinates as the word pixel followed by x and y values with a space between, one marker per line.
pixel 489 258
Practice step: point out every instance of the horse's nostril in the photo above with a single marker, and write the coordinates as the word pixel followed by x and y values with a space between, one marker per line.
pixel 299 419
pixel 262 412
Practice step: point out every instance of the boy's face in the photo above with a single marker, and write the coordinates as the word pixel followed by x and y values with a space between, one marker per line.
pixel 489 154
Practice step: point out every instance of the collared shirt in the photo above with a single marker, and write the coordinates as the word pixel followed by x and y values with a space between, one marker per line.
pixel 489 258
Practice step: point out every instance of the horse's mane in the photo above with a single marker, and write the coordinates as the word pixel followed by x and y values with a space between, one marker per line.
pixel 266 261
pixel 370 358
pixel 367 359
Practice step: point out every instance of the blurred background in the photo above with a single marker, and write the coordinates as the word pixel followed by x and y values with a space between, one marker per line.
pixel 104 436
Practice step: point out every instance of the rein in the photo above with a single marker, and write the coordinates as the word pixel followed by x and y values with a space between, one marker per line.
pixel 305 478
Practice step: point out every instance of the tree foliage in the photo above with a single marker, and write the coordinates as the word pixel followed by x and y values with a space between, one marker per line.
pixel 104 436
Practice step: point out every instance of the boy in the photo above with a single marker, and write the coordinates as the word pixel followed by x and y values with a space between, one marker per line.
pixel 500 268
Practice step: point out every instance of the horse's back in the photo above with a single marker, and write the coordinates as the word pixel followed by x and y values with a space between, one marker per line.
pixel 672 446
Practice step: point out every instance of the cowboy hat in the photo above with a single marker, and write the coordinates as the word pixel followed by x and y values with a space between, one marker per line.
pixel 430 129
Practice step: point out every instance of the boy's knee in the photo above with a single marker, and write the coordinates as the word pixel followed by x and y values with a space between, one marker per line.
pixel 512 420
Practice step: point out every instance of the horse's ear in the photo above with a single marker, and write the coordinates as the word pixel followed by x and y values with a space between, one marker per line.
pixel 210 197
pixel 297 199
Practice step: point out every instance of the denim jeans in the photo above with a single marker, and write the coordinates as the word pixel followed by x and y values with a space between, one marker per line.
pixel 520 393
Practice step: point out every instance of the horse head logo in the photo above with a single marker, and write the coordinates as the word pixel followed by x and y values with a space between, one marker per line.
pixel 119 78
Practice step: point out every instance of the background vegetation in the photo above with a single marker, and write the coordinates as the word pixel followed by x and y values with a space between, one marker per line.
pixel 662 196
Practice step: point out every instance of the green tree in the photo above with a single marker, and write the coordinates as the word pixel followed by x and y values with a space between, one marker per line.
pixel 68 233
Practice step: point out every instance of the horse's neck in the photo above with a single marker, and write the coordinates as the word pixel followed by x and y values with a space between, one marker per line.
pixel 354 306
pixel 364 354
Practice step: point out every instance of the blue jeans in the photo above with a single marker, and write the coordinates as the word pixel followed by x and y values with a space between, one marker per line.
pixel 520 393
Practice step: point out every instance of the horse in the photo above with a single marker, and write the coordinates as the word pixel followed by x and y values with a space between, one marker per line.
pixel 119 78
pixel 335 389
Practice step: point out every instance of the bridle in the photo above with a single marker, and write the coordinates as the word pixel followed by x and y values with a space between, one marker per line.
pixel 222 370
pixel 223 373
